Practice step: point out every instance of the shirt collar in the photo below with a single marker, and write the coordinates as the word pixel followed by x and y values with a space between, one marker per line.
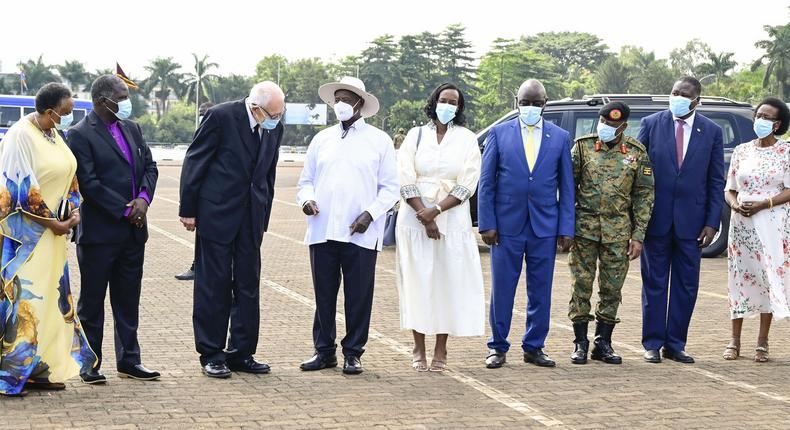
pixel 253 121
pixel 689 120
pixel 538 125
pixel 432 125
pixel 358 125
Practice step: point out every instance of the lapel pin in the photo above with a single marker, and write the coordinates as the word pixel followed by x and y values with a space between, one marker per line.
pixel 548 135
pixel 699 131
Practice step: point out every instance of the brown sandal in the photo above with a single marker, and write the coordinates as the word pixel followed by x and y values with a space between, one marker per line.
pixel 761 354
pixel 731 352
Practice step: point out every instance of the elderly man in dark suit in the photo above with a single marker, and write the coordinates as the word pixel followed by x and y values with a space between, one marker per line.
pixel 227 189
pixel 117 178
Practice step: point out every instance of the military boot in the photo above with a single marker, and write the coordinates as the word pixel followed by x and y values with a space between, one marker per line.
pixel 579 355
pixel 602 349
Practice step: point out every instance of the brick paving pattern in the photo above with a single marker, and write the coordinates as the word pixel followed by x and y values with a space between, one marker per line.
pixel 390 395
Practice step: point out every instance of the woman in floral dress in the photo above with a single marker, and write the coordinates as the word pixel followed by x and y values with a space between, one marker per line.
pixel 41 341
pixel 757 190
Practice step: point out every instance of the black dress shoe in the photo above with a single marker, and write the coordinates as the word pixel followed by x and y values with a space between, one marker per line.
pixel 538 358
pixel 652 356
pixel 93 376
pixel 352 365
pixel 319 362
pixel 138 372
pixel 189 275
pixel 216 369
pixel 248 365
pixel 679 356
pixel 495 359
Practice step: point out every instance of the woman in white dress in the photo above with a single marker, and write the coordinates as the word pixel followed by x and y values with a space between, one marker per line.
pixel 440 281
pixel 758 256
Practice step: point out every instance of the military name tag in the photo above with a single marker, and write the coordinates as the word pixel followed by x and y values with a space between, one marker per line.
pixel 647 171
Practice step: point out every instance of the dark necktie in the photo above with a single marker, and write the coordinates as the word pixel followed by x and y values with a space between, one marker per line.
pixel 679 141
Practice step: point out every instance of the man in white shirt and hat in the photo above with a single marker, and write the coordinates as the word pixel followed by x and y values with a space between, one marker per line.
pixel 348 184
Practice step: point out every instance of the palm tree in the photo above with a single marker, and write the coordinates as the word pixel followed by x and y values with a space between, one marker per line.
pixel 37 74
pixel 718 65
pixel 197 84
pixel 92 76
pixel 777 54
pixel 74 73
pixel 164 76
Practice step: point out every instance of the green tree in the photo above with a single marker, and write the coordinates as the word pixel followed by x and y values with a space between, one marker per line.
pixel 455 59
pixel 177 125
pixel 645 73
pixel 37 74
pixel 502 70
pixel 569 50
pixel 92 76
pixel 272 68
pixel 378 70
pixel 405 114
pixel 163 80
pixel 199 82
pixel 231 87
pixel 418 66
pixel 776 58
pixel 613 77
pixel 745 85
pixel 718 65
pixel 687 60
pixel 74 73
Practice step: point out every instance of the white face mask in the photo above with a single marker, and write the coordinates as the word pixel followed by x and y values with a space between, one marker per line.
pixel 344 111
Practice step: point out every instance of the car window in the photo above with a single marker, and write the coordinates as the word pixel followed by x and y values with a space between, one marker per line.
pixel 79 114
pixel 725 121
pixel 28 110
pixel 9 115
pixel 553 117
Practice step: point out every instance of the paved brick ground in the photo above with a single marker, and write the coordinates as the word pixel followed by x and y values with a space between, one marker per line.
pixel 711 393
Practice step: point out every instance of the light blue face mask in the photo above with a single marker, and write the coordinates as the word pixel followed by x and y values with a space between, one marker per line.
pixel 65 120
pixel 124 108
pixel 269 124
pixel 679 105
pixel 606 132
pixel 763 127
pixel 445 112
pixel 530 115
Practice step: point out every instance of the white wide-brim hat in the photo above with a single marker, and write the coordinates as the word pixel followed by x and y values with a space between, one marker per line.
pixel 356 86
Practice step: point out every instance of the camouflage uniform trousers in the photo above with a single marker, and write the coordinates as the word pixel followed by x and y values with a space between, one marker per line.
pixel 583 260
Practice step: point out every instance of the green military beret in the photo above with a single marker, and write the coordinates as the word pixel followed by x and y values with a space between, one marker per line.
pixel 615 111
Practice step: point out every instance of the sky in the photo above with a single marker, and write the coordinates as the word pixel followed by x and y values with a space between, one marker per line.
pixel 236 34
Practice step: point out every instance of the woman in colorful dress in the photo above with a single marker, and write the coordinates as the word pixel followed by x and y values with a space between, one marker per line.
pixel 42 341
pixel 758 256
pixel 440 281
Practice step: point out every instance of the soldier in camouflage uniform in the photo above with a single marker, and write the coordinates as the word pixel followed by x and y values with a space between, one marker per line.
pixel 614 198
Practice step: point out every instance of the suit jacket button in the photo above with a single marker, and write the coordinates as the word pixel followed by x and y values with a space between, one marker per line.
pixel 530 178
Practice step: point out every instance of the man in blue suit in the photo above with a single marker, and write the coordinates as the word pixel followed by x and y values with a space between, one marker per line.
pixel 525 212
pixel 688 161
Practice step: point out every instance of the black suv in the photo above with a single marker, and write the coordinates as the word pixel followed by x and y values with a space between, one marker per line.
pixel 580 117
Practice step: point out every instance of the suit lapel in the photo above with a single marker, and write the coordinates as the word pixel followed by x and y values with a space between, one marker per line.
pixel 251 143
pixel 669 128
pixel 697 131
pixel 101 129
pixel 518 145
pixel 545 141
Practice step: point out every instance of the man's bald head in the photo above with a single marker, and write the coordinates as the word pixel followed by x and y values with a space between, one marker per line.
pixel 532 91
pixel 269 96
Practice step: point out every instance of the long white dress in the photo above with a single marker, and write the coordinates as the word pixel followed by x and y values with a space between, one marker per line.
pixel 758 255
pixel 440 282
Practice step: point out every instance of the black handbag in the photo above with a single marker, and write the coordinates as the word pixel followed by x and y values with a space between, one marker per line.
pixel 392 214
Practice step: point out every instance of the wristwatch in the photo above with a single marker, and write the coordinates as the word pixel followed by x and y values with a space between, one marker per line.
pixel 438 207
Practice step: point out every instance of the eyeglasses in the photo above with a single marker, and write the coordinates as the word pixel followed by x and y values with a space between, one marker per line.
pixel 278 117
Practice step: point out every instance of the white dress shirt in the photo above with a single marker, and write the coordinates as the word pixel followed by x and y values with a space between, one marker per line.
pixel 537 135
pixel 346 177
pixel 253 121
pixel 687 127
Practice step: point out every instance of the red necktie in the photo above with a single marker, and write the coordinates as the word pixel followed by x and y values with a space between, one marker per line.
pixel 679 141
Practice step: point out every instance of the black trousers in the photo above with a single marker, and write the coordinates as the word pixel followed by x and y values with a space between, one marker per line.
pixel 121 267
pixel 357 266
pixel 227 287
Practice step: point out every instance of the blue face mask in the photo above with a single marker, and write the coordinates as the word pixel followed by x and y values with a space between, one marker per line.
pixel 65 121
pixel 124 108
pixel 679 105
pixel 606 132
pixel 763 127
pixel 269 124
pixel 445 112
pixel 530 115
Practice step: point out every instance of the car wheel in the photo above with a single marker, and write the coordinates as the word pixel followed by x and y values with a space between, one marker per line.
pixel 719 243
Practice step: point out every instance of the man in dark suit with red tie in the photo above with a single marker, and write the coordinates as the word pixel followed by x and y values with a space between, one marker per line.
pixel 687 153
pixel 227 190
pixel 117 178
